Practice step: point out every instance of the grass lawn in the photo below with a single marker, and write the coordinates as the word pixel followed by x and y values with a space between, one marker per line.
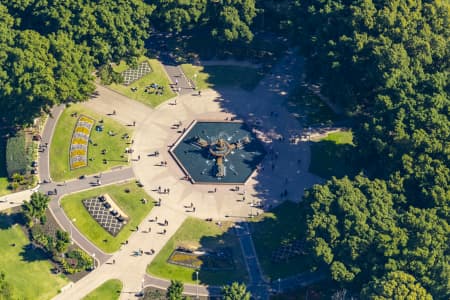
pixel 158 75
pixel 130 203
pixel 59 149
pixel 27 271
pixel 273 229
pixel 109 290
pixel 310 109
pixel 331 156
pixel 212 76
pixel 199 233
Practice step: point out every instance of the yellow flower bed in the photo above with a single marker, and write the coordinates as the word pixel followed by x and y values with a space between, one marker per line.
pixel 79 141
pixel 77 152
pixel 86 119
pixel 82 129
pixel 78 164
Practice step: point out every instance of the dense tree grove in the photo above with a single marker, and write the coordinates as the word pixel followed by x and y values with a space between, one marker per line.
pixel 383 234
pixel 388 64
pixel 48 52
pixel 222 20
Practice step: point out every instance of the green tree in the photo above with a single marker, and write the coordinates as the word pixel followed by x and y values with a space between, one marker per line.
pixel 35 208
pixel 353 227
pixel 235 291
pixel 395 285
pixel 62 241
pixel 175 290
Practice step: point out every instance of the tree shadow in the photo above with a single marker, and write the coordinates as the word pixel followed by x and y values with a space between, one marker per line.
pixel 329 158
pixel 7 220
pixel 29 253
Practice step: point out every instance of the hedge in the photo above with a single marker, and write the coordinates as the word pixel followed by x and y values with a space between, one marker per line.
pixel 17 160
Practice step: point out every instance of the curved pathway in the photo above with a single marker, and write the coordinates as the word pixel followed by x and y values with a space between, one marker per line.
pixel 153 132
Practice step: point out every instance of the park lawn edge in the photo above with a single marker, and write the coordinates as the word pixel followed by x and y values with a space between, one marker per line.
pixel 61 140
pixel 88 226
pixel 158 75
pixel 108 290
pixel 159 267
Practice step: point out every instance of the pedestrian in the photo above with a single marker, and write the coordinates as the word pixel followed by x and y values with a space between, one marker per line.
pixel 215 190
pixel 192 205
pixel 126 242
pixel 199 93
pixel 139 157
pixel 168 191
pixel 134 123
pixel 166 222
pixel 132 142
pixel 159 189
pixel 114 112
pixel 156 219
pixel 176 81
pixel 164 231
pixel 149 229
pixel 137 228
pixel 193 209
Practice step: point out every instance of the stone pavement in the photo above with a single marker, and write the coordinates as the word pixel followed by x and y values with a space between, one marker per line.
pixel 16 199
pixel 179 81
pixel 285 170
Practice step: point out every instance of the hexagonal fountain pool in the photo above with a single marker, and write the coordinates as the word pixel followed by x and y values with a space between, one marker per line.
pixel 219 152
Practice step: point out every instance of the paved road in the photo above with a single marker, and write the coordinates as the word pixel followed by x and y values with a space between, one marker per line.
pixel 116 176
pixel 47 135
pixel 189 289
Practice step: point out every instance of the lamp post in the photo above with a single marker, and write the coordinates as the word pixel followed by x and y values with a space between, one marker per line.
pixel 142 287
pixel 195 80
pixel 196 274
pixel 279 285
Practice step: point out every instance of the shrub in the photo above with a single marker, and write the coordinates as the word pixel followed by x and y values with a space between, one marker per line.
pixel 17 160
pixel 76 261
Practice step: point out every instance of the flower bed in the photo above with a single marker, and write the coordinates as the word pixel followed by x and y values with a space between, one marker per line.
pixel 79 144
pixel 219 259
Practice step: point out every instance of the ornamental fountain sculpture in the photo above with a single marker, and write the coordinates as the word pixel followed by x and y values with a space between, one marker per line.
pixel 219 149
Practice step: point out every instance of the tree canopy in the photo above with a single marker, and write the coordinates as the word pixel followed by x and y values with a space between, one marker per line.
pixel 387 63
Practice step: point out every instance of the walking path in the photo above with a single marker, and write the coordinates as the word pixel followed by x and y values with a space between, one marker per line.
pixel 257 286
pixel 180 83
pixel 284 170
pixel 16 199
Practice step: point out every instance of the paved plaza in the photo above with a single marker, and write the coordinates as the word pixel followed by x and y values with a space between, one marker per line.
pixel 281 175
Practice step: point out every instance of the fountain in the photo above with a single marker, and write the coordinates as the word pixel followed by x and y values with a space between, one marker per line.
pixel 209 149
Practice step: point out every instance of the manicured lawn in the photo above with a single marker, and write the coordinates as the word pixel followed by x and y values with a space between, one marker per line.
pixel 130 203
pixel 310 109
pixel 331 156
pixel 158 76
pixel 213 76
pixel 271 230
pixel 4 186
pixel 114 145
pixel 28 271
pixel 199 233
pixel 109 290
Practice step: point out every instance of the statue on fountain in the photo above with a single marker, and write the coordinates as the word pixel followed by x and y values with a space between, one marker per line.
pixel 219 149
